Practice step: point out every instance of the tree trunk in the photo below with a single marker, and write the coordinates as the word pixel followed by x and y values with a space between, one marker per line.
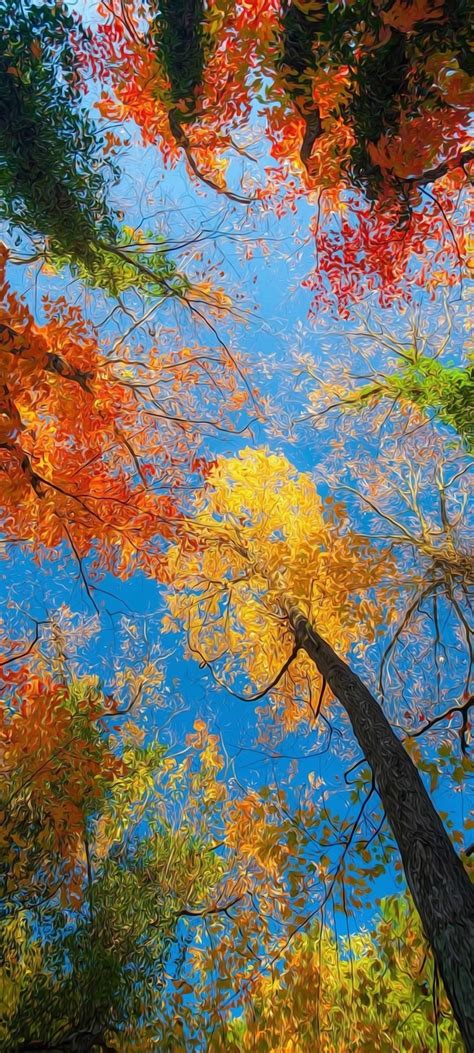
pixel 438 882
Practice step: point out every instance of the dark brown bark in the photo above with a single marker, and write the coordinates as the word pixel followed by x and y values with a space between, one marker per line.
pixel 439 884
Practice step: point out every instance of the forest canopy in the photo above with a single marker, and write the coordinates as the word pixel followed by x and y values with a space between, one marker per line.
pixel 236 437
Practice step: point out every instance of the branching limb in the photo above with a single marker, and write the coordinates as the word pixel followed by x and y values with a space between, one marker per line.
pixel 448 713
pixel 247 698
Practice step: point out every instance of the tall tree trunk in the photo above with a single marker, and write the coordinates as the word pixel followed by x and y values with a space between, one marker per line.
pixel 439 884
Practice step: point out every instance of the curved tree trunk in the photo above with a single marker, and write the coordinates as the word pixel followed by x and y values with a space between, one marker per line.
pixel 438 882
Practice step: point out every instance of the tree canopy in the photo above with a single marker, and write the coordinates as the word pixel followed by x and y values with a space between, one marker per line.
pixel 365 107
pixel 237 641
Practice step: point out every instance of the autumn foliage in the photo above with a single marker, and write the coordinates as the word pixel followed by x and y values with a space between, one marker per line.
pixel 60 400
pixel 263 722
pixel 363 109
pixel 361 1003
pixel 60 768
pixel 84 441
pixel 91 909
pixel 268 542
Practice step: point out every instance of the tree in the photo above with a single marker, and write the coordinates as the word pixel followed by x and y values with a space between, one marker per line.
pixel 131 873
pixel 416 369
pixel 94 906
pixel 95 445
pixel 264 584
pixel 152 894
pixel 365 1000
pixel 364 108
pixel 409 478
pixel 56 168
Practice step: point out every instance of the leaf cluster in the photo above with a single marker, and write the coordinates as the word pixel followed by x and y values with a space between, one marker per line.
pixel 53 176
pixel 93 895
pixel 447 390
pixel 267 544
pixel 378 995
pixel 177 32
